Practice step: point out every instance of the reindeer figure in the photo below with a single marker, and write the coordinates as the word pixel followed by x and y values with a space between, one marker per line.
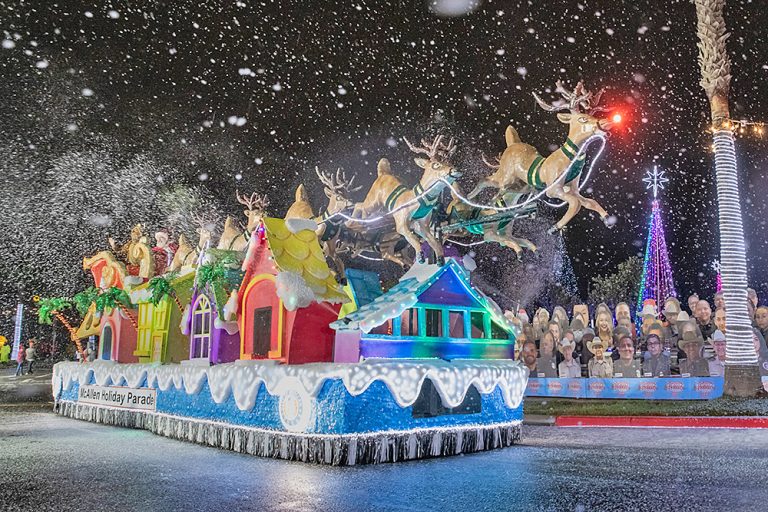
pixel 389 194
pixel 234 237
pixel 522 169
pixel 186 255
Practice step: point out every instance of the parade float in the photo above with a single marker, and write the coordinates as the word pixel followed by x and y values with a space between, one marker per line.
pixel 332 369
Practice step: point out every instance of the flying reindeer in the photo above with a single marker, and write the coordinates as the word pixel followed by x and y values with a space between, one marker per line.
pixel 186 254
pixel 388 194
pixel 521 168
pixel 234 237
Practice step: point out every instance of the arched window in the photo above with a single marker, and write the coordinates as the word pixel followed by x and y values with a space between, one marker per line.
pixel 201 328
pixel 106 342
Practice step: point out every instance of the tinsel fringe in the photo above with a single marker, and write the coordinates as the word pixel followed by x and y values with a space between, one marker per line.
pixel 339 450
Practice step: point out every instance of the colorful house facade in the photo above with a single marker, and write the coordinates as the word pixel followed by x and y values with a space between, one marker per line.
pixel 117 337
pixel 288 296
pixel 214 333
pixel 433 312
pixel 160 338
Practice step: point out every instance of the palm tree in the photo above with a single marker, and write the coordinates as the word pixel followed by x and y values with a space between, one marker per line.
pixel 742 376
pixel 116 298
pixel 161 287
pixel 51 308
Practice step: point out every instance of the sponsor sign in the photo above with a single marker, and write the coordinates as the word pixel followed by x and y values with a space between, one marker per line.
pixel 671 388
pixel 113 396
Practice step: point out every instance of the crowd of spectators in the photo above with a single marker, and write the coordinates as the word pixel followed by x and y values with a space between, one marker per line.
pixel 658 343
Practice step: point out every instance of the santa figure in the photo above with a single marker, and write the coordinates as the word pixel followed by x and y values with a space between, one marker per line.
pixel 163 250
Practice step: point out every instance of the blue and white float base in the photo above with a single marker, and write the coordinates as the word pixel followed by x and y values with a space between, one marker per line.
pixel 326 413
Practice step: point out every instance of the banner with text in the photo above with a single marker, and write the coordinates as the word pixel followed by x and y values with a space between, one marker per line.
pixel 126 398
pixel 692 388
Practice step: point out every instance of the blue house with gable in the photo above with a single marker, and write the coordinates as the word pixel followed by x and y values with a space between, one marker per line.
pixel 433 312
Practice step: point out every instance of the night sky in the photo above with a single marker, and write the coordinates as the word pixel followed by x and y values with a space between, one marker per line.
pixel 255 94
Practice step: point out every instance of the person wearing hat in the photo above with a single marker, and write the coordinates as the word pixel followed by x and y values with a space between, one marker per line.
pixel 626 366
pixel 655 361
pixel 717 364
pixel 599 366
pixel 568 368
pixel 693 365
pixel 649 316
pixel 546 367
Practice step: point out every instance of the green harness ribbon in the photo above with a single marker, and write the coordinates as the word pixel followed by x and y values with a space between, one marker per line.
pixel 569 149
pixel 389 204
pixel 332 227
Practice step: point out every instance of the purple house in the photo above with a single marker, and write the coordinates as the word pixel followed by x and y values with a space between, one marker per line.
pixel 213 337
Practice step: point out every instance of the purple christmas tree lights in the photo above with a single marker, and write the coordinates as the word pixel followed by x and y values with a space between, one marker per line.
pixel 657 282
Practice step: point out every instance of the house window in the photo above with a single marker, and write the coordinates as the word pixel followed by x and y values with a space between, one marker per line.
pixel 201 328
pixel 262 331
pixel 456 324
pixel 477 319
pixel 106 342
pixel 409 322
pixel 497 333
pixel 434 322
pixel 429 404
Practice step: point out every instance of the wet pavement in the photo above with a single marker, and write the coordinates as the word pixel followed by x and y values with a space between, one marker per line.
pixel 55 463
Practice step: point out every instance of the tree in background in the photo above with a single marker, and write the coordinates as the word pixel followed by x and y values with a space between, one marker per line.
pixel 621 286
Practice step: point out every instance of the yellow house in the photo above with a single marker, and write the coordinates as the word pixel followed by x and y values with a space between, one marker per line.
pixel 159 338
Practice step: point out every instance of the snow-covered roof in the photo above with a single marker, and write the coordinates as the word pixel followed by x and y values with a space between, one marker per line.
pixel 406 293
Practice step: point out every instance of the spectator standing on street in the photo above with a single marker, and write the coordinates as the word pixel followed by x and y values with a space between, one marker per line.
pixel 31 353
pixel 20 361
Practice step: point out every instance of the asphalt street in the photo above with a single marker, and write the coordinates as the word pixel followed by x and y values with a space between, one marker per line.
pixel 55 463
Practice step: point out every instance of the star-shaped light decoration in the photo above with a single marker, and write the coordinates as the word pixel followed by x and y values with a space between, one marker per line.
pixel 655 180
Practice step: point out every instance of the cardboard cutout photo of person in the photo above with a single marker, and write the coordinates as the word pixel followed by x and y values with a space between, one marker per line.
pixel 626 367
pixel 655 362
pixel 600 366
pixel 568 368
pixel 546 366
pixel 694 365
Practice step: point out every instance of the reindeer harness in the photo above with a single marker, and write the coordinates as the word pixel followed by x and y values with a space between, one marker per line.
pixel 427 202
pixel 570 149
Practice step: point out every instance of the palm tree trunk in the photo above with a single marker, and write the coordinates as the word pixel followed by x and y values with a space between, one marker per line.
pixel 72 333
pixel 742 377
pixel 127 313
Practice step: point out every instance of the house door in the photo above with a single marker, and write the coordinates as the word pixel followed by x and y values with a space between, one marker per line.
pixel 106 343
pixel 262 331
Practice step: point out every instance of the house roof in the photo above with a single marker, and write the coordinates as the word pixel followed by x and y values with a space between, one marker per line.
pixel 296 249
pixel 406 293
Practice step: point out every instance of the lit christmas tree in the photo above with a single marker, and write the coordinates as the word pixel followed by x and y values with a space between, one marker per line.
pixel 657 280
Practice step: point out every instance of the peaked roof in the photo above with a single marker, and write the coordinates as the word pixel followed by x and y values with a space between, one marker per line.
pixel 295 248
pixel 406 293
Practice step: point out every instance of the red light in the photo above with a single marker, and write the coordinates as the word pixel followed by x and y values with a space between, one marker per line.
pixel 616 118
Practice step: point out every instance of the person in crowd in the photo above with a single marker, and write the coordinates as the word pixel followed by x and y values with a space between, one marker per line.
pixel 31 354
pixel 20 360
pixel 604 328
pixel 554 328
pixel 704 318
pixel 599 366
pixel 655 362
pixel 762 353
pixel 540 323
pixel 693 365
pixel 586 338
pixel 626 366
pixel 719 300
pixel 571 338
pixel 657 328
pixel 751 311
pixel 546 365
pixel 560 316
pixel 720 320
pixel 581 311
pixel 761 320
pixel 602 308
pixel 693 299
pixel 528 356
pixel 568 368
pixel 752 296
pixel 628 326
pixel 649 316
pixel 717 364
pixel 622 312
pixel 672 310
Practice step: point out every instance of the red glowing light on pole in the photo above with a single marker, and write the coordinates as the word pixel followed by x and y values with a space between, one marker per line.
pixel 616 118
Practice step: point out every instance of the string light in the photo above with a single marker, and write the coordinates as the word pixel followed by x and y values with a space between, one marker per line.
pixel 741 126
pixel 657 282
pixel 740 348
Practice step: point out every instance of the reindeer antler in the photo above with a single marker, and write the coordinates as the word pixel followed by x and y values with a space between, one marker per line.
pixel 578 100
pixel 337 183
pixel 492 165
pixel 203 221
pixel 436 148
pixel 256 202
